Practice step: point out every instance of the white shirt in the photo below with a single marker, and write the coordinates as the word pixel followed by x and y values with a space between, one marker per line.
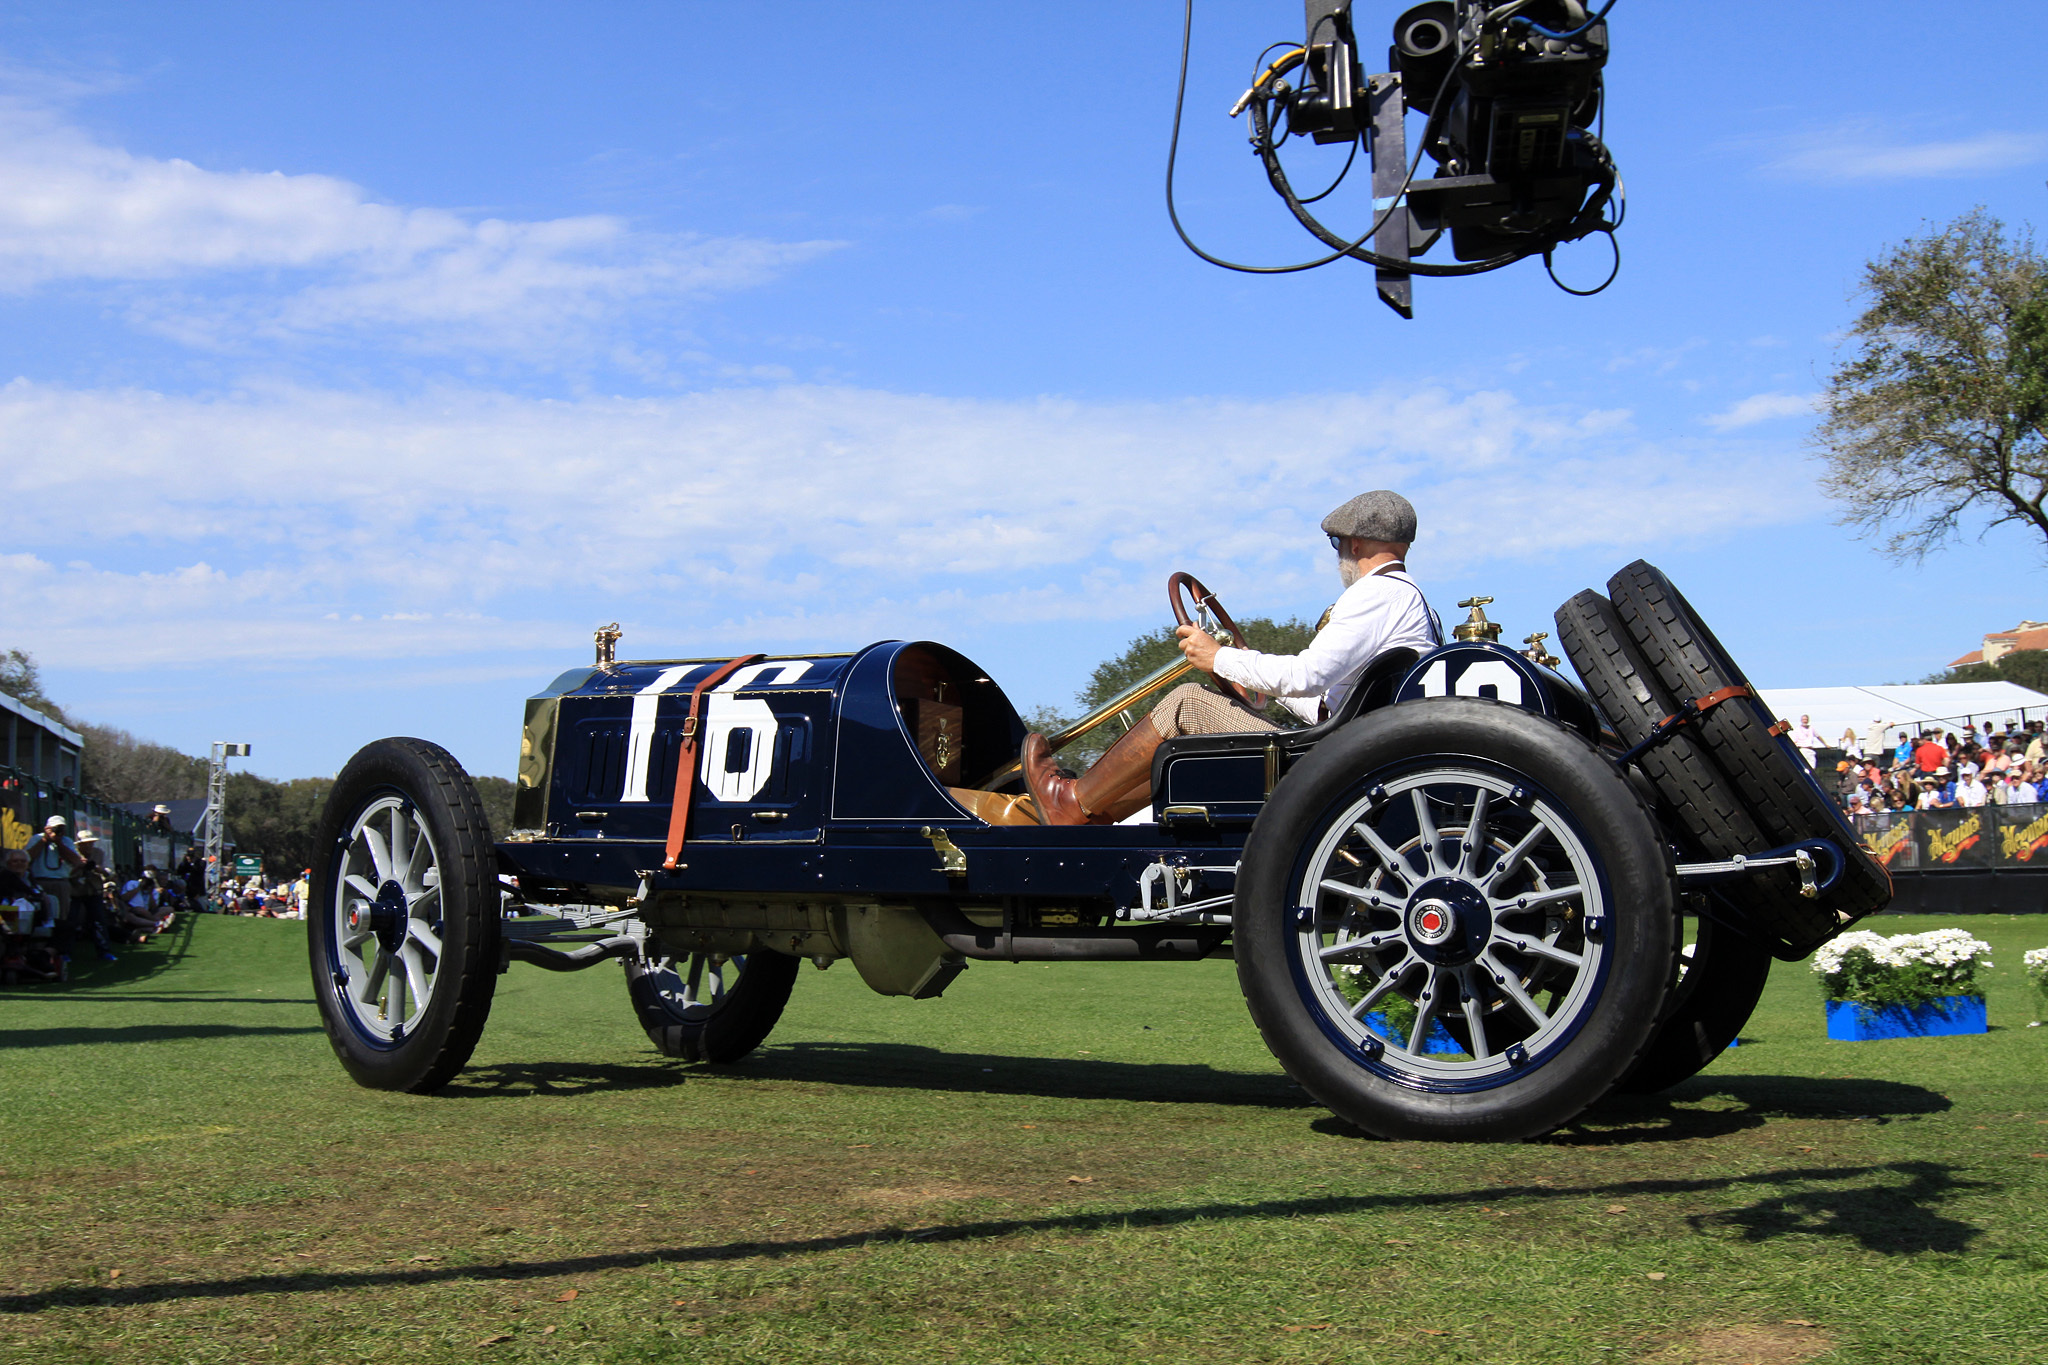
pixel 1383 610
pixel 1970 792
pixel 1805 740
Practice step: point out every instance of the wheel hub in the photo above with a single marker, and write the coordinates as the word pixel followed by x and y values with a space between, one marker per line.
pixel 384 917
pixel 1447 921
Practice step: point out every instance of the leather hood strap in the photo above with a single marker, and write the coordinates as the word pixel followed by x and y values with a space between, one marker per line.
pixel 686 760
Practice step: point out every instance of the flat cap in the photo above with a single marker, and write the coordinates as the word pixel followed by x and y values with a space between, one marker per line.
pixel 1378 515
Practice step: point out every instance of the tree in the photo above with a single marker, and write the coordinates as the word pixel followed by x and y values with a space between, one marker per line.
pixel 1142 657
pixel 496 793
pixel 116 766
pixel 2027 667
pixel 275 821
pixel 22 680
pixel 1942 408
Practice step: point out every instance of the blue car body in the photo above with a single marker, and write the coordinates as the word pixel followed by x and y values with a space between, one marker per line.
pixel 814 779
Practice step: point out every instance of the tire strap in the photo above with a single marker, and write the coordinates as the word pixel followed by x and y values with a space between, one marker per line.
pixel 1685 715
pixel 686 761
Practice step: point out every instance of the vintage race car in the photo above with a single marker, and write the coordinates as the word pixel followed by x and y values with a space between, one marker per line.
pixel 1456 906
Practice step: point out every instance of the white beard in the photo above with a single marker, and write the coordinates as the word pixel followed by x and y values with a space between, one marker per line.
pixel 1347 571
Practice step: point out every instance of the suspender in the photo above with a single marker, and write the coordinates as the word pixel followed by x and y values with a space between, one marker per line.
pixel 1400 569
pixel 686 761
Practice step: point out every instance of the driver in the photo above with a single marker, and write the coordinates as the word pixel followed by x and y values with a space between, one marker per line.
pixel 1382 608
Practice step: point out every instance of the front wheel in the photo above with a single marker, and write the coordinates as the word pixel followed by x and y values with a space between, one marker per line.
pixel 710 1007
pixel 1455 921
pixel 403 930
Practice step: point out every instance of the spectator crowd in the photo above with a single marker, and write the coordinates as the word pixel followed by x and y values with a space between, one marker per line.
pixel 57 893
pixel 58 898
pixel 1938 769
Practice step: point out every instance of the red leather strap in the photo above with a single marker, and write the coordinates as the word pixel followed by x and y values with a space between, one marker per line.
pixel 1719 695
pixel 686 761
pixel 1699 706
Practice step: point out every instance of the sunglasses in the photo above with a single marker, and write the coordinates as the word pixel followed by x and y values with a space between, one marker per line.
pixel 1337 544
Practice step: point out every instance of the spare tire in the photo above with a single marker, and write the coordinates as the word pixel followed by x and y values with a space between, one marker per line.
pixel 1774 783
pixel 1698 803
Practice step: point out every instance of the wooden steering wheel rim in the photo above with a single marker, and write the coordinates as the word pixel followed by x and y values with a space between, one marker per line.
pixel 1182 616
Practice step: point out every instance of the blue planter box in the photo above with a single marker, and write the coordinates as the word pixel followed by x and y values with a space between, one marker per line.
pixel 1438 1041
pixel 1853 1023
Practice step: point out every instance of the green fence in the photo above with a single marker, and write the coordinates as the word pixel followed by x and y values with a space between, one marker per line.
pixel 27 801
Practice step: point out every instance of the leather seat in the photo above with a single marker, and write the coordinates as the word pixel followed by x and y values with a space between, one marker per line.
pixel 1374 689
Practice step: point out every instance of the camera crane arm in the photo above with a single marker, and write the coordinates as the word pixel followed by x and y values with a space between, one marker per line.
pixel 1511 97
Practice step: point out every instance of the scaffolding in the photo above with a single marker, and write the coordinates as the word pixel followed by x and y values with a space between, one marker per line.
pixel 217 805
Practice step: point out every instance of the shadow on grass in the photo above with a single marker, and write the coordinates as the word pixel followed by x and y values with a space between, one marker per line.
pixel 93 997
pixel 137 1033
pixel 1675 1116
pixel 1876 1209
pixel 135 963
pixel 903 1066
pixel 1896 1220
pixel 1671 1116
pixel 513 1080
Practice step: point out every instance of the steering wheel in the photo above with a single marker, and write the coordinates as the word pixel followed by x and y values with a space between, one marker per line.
pixel 1208 615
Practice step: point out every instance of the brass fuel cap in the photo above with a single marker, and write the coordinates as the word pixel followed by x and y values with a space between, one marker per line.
pixel 1476 626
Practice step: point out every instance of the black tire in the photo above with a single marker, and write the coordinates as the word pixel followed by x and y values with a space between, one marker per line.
pixel 1697 801
pixel 736 1019
pixel 1410 774
pixel 428 920
pixel 1713 999
pixel 1775 785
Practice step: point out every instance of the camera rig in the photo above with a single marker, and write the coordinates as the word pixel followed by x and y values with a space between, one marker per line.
pixel 1509 97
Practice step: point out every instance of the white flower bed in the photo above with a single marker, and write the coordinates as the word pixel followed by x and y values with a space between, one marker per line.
pixel 1946 948
pixel 1904 969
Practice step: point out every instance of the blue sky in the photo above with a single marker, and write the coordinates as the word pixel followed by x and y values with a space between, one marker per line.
pixel 359 360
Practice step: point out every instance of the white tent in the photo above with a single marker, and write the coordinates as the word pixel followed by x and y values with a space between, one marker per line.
pixel 1879 713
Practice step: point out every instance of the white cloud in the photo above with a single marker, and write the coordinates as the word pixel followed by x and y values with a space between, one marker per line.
pixel 328 259
pixel 1763 407
pixel 308 524
pixel 1866 149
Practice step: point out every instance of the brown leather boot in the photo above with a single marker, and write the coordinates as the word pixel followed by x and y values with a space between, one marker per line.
pixel 1118 784
pixel 996 809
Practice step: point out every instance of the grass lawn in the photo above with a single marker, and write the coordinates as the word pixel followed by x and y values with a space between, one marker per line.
pixel 1074 1163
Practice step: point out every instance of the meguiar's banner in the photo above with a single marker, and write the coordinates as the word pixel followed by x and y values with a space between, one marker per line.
pixel 1963 839
pixel 1890 836
pixel 1957 838
pixel 2023 836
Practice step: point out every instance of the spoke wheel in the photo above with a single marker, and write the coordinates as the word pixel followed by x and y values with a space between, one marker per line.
pixel 710 1007
pixel 1442 945
pixel 1450 899
pixel 403 931
pixel 388 918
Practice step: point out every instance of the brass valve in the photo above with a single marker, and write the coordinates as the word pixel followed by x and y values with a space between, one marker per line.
pixel 1476 626
pixel 1536 653
pixel 607 638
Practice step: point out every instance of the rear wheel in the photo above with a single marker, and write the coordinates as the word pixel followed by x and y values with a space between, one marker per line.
pixel 710 1007
pixel 1720 981
pixel 1459 862
pixel 403 929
